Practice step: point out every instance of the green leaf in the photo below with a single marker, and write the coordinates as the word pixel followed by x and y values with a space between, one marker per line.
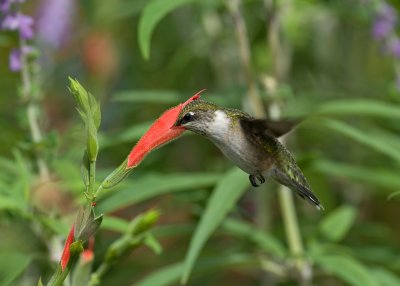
pixel 360 107
pixel 149 96
pixel 91 137
pixel 10 204
pixel 262 239
pixel 383 178
pixel 337 224
pixel 385 277
pixel 347 269
pixel 115 224
pixel 82 272
pixel 151 16
pixel 367 138
pixel 162 277
pixel 40 282
pixel 57 226
pixel 227 192
pixel 80 95
pixel 169 275
pixel 151 242
pixel 95 110
pixel 11 266
pixel 150 186
pixel 131 134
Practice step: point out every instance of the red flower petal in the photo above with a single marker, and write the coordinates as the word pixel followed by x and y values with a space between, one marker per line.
pixel 66 252
pixel 159 133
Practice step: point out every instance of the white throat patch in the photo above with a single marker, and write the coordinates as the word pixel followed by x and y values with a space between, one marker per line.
pixel 221 124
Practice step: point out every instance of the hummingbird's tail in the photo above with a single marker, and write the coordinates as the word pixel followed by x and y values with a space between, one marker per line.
pixel 292 177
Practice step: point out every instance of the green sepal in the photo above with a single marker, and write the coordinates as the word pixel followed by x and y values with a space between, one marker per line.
pixel 120 173
pixel 86 224
pixel 76 248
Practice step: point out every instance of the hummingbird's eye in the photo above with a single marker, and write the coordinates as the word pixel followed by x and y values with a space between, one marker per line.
pixel 187 117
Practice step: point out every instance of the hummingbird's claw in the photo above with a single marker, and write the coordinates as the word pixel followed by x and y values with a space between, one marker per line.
pixel 254 178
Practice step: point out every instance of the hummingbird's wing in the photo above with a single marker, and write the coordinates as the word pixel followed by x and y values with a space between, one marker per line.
pixel 271 127
pixel 285 169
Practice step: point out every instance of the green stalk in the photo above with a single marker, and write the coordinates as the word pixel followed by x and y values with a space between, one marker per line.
pixel 59 276
pixel 31 110
pixel 92 178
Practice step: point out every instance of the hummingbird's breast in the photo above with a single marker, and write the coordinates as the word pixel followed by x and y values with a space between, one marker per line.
pixel 228 136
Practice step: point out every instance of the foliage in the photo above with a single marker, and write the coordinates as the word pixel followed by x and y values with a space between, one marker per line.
pixel 323 63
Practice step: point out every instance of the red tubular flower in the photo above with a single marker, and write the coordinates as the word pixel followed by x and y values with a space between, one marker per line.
pixel 159 133
pixel 66 252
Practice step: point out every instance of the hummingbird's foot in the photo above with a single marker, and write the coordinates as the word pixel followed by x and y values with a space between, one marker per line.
pixel 256 180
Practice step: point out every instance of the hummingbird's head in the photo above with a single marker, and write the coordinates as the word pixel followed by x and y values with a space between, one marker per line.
pixel 198 117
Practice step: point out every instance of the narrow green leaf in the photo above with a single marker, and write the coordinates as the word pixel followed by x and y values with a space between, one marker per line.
pixel 82 272
pixel 95 110
pixel 151 242
pixel 347 269
pixel 80 95
pixel 128 135
pixel 382 178
pixel 57 226
pixel 227 192
pixel 385 277
pixel 149 96
pixel 115 224
pixel 91 138
pixel 11 266
pixel 366 138
pixel 150 186
pixel 360 107
pixel 336 225
pixel 169 275
pixel 162 277
pixel 7 203
pixel 262 239
pixel 151 16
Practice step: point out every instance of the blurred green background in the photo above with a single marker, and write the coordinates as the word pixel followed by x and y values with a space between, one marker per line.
pixel 319 61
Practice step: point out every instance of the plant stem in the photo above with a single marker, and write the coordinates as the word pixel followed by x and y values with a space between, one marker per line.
pixel 59 276
pixel 32 114
pixel 92 178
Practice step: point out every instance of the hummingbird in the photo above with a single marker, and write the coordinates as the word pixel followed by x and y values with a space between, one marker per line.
pixel 251 144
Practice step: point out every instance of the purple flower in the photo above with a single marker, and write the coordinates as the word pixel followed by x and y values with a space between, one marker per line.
pixel 19 22
pixel 385 22
pixel 381 29
pixel 54 21
pixel 15 59
pixel 394 47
